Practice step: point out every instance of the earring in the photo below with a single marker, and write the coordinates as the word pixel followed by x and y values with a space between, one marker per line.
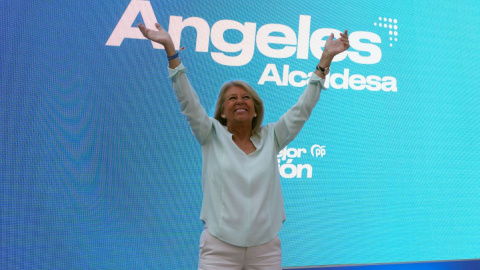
pixel 223 116
pixel 255 115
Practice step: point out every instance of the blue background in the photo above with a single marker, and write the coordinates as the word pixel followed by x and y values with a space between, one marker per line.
pixel 99 169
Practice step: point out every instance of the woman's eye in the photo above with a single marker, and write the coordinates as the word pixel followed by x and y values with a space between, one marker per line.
pixel 246 97
pixel 232 98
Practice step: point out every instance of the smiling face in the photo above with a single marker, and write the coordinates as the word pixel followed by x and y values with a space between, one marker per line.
pixel 223 100
pixel 238 106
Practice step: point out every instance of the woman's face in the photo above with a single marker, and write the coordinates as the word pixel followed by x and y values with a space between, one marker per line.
pixel 238 106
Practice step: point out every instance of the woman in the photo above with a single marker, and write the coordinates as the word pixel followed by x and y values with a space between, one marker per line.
pixel 242 205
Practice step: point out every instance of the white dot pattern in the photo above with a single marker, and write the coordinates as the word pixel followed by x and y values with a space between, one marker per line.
pixel 389 23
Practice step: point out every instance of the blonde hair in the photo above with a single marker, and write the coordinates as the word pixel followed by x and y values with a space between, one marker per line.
pixel 257 101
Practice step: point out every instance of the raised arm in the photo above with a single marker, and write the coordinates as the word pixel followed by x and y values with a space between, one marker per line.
pixel 197 117
pixel 290 124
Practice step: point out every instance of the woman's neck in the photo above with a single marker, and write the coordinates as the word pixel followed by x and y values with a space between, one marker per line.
pixel 240 132
pixel 241 137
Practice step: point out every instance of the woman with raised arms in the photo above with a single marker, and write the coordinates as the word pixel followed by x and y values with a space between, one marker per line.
pixel 242 206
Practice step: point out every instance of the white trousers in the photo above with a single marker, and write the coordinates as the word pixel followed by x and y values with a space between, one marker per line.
pixel 216 254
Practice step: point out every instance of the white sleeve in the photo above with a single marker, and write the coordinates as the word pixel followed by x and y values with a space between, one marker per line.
pixel 290 124
pixel 197 117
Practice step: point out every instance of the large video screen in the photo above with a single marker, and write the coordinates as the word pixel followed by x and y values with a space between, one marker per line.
pixel 99 169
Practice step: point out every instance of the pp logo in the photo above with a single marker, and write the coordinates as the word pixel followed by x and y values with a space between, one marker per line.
pixel 317 150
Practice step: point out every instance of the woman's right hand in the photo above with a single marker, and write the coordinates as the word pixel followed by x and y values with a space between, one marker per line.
pixel 161 36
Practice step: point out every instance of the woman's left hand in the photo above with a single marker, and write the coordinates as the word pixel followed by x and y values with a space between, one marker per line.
pixel 334 47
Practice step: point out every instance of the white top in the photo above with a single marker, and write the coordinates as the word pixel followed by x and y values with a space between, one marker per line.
pixel 242 196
